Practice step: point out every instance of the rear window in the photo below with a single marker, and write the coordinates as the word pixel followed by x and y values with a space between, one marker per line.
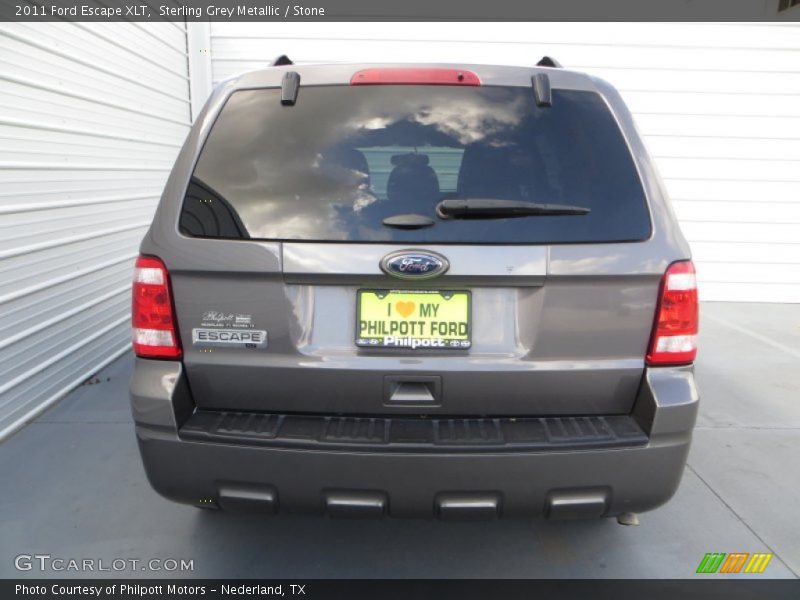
pixel 333 166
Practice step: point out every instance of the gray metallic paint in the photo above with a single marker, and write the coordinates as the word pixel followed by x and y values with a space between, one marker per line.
pixel 568 331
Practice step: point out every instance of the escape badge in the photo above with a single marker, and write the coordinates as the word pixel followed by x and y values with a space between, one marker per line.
pixel 224 330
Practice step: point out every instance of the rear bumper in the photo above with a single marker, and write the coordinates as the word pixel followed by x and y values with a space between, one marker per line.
pixel 412 482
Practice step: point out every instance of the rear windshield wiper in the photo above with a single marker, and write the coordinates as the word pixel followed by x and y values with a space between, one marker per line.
pixel 494 208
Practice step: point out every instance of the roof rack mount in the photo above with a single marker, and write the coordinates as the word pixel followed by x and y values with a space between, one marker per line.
pixel 549 61
pixel 280 61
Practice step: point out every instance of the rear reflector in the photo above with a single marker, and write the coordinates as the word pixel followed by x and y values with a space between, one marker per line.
pixel 414 76
pixel 674 338
pixel 152 312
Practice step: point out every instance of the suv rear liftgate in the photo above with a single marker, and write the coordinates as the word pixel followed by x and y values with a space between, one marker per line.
pixel 415 291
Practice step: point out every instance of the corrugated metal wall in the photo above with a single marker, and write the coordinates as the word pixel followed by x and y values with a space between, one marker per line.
pixel 719 107
pixel 91 119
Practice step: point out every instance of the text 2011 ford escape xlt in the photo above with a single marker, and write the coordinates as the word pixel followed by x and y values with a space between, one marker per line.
pixel 415 290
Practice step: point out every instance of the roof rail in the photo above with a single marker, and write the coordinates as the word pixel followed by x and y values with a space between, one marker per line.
pixel 548 61
pixel 280 61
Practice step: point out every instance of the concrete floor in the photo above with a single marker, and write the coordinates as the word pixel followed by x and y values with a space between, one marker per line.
pixel 73 487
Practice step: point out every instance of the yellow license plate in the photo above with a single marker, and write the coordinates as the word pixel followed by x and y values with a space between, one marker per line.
pixel 418 319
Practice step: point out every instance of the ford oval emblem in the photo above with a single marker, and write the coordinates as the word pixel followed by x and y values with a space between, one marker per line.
pixel 414 264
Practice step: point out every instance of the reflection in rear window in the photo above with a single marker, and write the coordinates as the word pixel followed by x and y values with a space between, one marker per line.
pixel 341 160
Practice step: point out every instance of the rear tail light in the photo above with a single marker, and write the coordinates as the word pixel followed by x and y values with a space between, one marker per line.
pixel 415 76
pixel 674 338
pixel 153 315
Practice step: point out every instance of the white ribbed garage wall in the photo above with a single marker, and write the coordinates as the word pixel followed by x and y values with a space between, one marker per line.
pixel 91 119
pixel 719 107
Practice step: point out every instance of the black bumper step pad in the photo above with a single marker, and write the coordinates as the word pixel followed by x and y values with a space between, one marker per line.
pixel 433 434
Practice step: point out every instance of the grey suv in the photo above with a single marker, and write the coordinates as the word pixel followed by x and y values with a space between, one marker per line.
pixel 415 290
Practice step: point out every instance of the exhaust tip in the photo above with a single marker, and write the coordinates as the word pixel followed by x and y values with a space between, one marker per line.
pixel 628 518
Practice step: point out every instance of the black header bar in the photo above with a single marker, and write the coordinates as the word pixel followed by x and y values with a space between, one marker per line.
pixel 405 589
pixel 398 10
